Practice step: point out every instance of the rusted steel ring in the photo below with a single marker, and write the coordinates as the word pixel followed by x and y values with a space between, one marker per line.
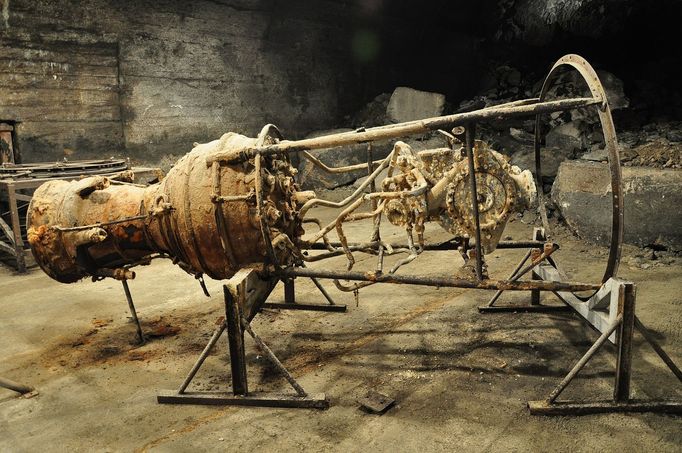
pixel 611 146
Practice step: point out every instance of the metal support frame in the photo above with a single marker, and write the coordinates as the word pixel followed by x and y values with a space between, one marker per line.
pixel 535 305
pixel 291 304
pixel 623 326
pixel 240 307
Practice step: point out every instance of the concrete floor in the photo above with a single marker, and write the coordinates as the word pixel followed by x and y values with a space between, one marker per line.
pixel 461 379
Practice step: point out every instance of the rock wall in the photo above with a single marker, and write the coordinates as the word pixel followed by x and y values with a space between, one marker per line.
pixel 146 79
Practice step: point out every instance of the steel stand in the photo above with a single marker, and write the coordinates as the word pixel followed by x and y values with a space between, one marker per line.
pixel 624 326
pixel 291 304
pixel 535 305
pixel 238 310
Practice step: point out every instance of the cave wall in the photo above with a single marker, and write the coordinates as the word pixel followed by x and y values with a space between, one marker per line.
pixel 146 79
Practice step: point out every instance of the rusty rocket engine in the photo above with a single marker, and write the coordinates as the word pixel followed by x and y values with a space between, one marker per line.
pixel 222 207
pixel 203 217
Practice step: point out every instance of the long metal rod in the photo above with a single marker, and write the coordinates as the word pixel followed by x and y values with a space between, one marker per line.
pixel 469 146
pixel 133 312
pixel 584 359
pixel 440 246
pixel 404 129
pixel 661 353
pixel 19 388
pixel 512 275
pixel 437 281
pixel 273 358
pixel 323 291
pixel 211 343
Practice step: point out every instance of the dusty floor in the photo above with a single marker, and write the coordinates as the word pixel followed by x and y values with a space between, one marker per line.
pixel 461 379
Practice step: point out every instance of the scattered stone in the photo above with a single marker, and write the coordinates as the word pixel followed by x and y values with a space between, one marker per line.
pixel 567 136
pixel 551 158
pixel 674 135
pixel 522 136
pixel 597 154
pixel 372 114
pixel 408 104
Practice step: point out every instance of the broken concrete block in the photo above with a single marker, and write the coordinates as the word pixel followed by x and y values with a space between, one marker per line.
pixel 407 104
pixel 551 158
pixel 311 177
pixel 582 191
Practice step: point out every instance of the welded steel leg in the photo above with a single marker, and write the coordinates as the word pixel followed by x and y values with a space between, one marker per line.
pixel 626 306
pixel 273 359
pixel 470 134
pixel 207 350
pixel 323 291
pixel 289 291
pixel 534 293
pixel 235 337
pixel 661 353
pixel 583 360
pixel 133 312
pixel 236 324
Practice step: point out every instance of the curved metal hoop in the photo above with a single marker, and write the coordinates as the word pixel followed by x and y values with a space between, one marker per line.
pixel 611 146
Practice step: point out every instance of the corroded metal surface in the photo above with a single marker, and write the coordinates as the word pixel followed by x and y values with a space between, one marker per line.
pixel 77 228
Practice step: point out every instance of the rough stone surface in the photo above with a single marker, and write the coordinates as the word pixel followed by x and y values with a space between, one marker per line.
pixel 582 192
pixel 407 104
pixel 312 177
pixel 147 79
pixel 567 136
pixel 551 158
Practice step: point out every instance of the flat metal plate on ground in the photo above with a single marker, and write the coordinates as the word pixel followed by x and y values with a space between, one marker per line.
pixel 375 402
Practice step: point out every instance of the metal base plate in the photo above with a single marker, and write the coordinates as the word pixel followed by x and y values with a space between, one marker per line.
pixel 311 307
pixel 600 407
pixel 375 402
pixel 523 308
pixel 317 401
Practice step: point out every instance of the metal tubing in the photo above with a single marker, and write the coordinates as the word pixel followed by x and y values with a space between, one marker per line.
pixel 211 343
pixel 437 281
pixel 584 359
pixel 133 312
pixel 403 129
